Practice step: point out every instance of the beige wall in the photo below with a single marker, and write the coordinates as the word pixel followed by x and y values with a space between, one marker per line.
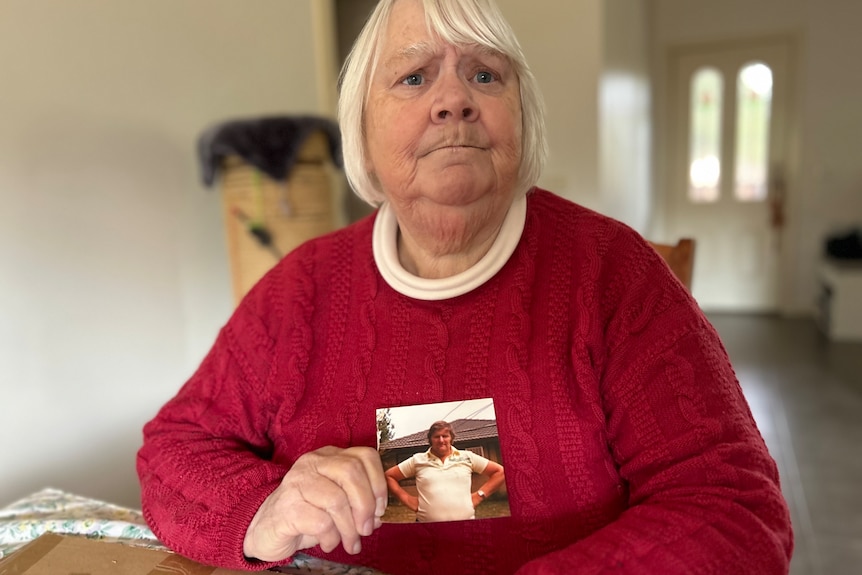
pixel 591 60
pixel 563 44
pixel 625 114
pixel 114 276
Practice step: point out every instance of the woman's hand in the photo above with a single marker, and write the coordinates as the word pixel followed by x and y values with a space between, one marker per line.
pixel 329 496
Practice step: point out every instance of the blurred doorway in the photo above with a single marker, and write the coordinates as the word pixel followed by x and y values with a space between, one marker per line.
pixel 728 116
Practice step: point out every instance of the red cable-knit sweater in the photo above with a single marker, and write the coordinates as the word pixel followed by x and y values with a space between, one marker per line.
pixel 627 443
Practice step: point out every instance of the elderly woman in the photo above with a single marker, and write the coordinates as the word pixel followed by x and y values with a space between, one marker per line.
pixel 628 444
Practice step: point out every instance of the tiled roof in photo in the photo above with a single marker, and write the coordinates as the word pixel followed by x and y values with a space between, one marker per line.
pixel 466 430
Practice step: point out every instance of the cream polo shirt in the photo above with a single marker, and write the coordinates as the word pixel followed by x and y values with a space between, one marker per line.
pixel 444 486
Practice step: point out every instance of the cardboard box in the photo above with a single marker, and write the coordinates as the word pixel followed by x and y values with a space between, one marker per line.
pixel 53 554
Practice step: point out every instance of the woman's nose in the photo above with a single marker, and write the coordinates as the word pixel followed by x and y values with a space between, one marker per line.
pixel 454 101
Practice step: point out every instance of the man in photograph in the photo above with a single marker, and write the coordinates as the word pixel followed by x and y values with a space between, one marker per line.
pixel 444 478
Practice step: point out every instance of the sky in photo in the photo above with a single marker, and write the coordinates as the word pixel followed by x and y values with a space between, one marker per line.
pixel 412 418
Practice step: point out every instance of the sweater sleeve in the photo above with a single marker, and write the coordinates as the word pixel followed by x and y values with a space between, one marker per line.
pixel 204 465
pixel 703 491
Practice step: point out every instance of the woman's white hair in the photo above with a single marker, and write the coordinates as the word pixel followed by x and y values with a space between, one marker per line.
pixel 456 22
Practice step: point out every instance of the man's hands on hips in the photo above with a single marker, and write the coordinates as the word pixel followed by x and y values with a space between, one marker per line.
pixel 476 500
pixel 329 496
pixel 412 502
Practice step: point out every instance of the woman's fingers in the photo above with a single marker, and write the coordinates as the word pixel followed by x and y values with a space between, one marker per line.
pixel 377 479
pixel 329 496
pixel 357 470
pixel 281 527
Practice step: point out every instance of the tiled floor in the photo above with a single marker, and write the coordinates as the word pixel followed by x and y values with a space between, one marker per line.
pixel 806 395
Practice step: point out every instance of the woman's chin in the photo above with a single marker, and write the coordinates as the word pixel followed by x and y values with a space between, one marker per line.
pixel 450 190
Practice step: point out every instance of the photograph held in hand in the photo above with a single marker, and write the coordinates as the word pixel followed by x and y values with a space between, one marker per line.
pixel 451 470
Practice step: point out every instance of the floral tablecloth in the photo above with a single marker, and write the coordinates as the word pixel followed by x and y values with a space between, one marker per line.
pixel 52 510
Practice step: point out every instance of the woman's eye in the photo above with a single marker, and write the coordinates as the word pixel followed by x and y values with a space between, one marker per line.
pixel 485 77
pixel 413 80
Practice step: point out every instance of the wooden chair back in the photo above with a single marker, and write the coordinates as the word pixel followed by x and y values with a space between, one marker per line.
pixel 679 257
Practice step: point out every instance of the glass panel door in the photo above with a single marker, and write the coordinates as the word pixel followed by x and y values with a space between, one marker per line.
pixel 726 112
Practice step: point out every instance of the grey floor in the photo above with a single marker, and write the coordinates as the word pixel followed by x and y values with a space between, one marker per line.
pixel 806 396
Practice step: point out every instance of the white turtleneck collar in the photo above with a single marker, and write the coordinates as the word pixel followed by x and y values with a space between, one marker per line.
pixel 385 246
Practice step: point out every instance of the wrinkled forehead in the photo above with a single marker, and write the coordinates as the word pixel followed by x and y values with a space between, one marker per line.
pixel 427 50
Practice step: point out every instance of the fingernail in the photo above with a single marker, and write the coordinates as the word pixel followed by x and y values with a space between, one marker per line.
pixel 381 507
pixel 377 523
pixel 357 547
pixel 368 527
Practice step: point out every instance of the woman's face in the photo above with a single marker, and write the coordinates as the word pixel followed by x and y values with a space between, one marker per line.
pixel 443 129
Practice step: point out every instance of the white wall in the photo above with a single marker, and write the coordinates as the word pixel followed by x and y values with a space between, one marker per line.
pixel 591 60
pixel 825 189
pixel 113 273
pixel 563 45
pixel 625 114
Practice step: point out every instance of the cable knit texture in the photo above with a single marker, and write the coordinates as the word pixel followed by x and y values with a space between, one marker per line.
pixel 627 444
